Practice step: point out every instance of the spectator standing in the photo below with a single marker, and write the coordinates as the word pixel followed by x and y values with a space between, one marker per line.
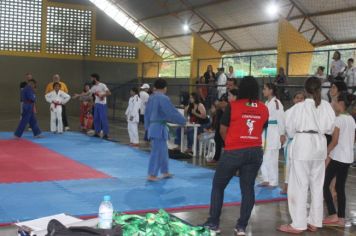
pixel 209 74
pixel 337 65
pixel 350 75
pixel 241 128
pixel 101 91
pixel 231 73
pixel 144 99
pixel 221 82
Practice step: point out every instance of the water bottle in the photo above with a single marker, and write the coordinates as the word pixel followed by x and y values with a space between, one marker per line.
pixel 106 211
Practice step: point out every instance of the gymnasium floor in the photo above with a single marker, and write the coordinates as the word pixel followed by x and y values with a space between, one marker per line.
pixel 265 217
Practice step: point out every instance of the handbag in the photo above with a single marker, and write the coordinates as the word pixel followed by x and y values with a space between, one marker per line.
pixel 56 228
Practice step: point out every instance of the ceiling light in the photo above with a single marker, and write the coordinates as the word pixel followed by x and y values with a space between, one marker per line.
pixel 185 27
pixel 272 9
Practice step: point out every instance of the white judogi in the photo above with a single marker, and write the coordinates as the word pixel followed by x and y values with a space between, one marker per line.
pixel 287 152
pixel 308 152
pixel 57 99
pixel 133 118
pixel 276 128
pixel 221 84
pixel 350 77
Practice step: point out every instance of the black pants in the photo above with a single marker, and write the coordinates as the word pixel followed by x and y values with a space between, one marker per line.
pixel 219 144
pixel 64 116
pixel 142 119
pixel 339 170
pixel 247 162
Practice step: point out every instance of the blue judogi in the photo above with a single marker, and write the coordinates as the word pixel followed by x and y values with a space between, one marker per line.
pixel 159 111
pixel 28 99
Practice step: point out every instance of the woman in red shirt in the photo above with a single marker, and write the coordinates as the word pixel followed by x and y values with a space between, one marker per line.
pixel 241 128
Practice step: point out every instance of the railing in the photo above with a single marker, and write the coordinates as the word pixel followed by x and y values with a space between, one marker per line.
pixel 117 102
pixel 257 65
pixel 318 58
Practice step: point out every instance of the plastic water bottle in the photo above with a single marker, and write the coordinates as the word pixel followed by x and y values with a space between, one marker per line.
pixel 106 211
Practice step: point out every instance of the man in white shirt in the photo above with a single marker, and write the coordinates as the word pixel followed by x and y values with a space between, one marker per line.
pixel 337 66
pixel 325 83
pixel 101 91
pixel 231 73
pixel 350 74
pixel 144 96
pixel 221 83
pixel 144 99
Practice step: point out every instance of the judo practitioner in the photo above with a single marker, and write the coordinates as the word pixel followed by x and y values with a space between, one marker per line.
pixel 64 88
pixel 307 123
pixel 101 91
pixel 133 116
pixel 28 99
pixel 298 97
pixel 56 99
pixel 159 111
pixel 273 137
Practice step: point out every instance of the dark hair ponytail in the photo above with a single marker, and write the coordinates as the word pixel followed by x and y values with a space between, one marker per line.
pixel 313 87
pixel 273 87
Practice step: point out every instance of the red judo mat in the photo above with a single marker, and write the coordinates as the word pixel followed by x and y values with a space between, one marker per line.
pixel 24 161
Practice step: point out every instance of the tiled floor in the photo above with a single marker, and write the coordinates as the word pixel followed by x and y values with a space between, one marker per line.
pixel 265 217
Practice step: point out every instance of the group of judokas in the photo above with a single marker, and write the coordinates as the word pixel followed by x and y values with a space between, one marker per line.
pixel 301 130
pixel 57 95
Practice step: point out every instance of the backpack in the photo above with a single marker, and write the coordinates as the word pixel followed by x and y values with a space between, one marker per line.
pixel 56 228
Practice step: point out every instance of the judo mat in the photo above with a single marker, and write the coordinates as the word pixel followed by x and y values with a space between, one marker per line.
pixel 70 173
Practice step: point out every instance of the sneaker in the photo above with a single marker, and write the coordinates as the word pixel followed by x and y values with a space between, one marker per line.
pixel 212 227
pixel 96 135
pixel 106 137
pixel 66 128
pixel 240 231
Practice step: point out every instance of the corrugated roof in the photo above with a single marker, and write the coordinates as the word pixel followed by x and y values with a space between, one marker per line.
pixel 240 25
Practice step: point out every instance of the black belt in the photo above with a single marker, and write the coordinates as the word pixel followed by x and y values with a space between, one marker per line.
pixel 308 132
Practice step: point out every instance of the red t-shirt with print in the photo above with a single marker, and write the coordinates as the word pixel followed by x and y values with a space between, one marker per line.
pixel 245 122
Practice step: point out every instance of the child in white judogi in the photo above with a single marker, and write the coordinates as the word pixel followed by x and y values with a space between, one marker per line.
pixel 298 97
pixel 273 137
pixel 307 123
pixel 133 116
pixel 57 98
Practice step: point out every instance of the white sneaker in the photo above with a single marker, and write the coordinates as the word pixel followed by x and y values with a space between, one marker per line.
pixel 240 232
pixel 66 128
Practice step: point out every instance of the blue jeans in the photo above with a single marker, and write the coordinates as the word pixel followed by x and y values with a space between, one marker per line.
pixel 101 118
pixel 190 135
pixel 247 161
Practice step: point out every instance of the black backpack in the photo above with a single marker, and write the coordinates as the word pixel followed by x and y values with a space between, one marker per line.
pixel 56 228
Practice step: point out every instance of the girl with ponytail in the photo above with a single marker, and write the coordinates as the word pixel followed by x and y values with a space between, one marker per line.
pixel 340 157
pixel 307 123
pixel 273 135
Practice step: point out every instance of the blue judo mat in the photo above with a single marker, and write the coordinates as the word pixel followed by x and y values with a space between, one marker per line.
pixel 129 190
